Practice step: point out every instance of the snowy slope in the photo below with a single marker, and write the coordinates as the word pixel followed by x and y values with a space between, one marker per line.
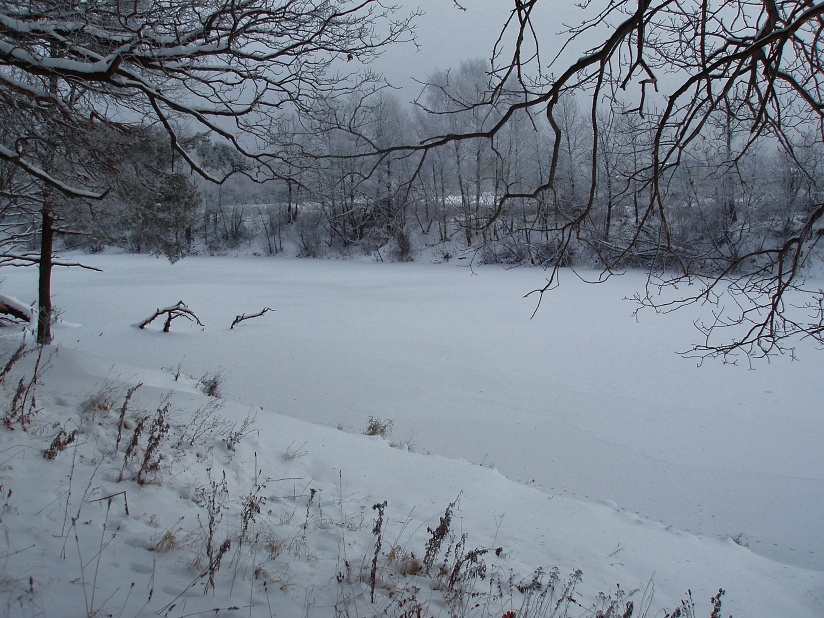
pixel 71 547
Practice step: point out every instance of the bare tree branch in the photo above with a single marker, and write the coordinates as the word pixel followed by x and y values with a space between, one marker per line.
pixel 243 317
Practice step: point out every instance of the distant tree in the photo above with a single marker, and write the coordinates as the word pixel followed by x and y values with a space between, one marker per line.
pixel 455 101
pixel 386 124
pixel 162 217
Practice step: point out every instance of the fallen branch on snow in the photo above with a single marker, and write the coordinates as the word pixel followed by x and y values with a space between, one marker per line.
pixel 243 316
pixel 175 311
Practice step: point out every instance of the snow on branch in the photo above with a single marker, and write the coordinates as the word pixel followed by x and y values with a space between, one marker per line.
pixel 11 259
pixel 13 307
pixel 38 172
pixel 175 311
pixel 243 316
pixel 178 62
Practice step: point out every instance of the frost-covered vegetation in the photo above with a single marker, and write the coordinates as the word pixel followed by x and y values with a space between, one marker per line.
pixel 450 206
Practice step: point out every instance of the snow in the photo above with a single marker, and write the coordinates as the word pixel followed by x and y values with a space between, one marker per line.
pixel 38 172
pixel 15 304
pixel 576 439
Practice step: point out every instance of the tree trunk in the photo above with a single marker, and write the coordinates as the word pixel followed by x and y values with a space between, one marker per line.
pixel 608 222
pixel 730 216
pixel 44 313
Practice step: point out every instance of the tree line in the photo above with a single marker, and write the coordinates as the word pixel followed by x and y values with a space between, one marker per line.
pixel 722 200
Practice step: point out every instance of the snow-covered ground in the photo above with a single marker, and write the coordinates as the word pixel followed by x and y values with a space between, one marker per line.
pixel 613 454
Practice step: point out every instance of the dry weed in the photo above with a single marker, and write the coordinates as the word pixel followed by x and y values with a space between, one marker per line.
pixel 167 543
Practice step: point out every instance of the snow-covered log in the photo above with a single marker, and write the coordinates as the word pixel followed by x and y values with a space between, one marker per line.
pixel 14 308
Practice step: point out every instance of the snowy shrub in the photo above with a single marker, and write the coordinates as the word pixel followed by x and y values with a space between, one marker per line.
pixel 160 427
pixel 310 234
pixel 293 452
pixel 237 432
pixel 211 382
pixel 18 354
pixel 167 543
pixel 202 428
pixel 437 536
pixel 23 406
pixel 102 401
pixel 377 427
pixel 213 498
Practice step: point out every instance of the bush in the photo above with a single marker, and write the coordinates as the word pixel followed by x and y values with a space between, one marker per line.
pixel 377 427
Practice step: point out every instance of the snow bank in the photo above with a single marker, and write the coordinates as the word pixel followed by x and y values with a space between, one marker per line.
pixel 295 500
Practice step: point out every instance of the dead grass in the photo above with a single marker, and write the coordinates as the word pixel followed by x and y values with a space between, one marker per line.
pixel 378 427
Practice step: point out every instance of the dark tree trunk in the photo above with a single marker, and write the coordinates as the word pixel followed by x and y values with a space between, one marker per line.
pixel 44 314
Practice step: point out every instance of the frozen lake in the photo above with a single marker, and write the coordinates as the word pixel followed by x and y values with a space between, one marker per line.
pixel 582 400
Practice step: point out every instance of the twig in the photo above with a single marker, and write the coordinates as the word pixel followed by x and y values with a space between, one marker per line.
pixel 112 496
pixel 18 551
pixel 243 316
pixel 99 555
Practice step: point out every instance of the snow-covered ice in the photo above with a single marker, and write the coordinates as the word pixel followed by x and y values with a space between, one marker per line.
pixel 610 453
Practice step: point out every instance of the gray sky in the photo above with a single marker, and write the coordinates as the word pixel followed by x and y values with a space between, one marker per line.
pixel 448 35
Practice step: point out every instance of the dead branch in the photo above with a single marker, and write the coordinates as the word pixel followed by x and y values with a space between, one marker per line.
pixel 175 311
pixel 243 316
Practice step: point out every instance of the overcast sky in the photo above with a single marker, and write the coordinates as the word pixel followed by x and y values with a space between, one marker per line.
pixel 447 35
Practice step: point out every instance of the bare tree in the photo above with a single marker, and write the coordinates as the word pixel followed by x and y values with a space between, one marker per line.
pixel 228 67
pixel 36 201
pixel 678 65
